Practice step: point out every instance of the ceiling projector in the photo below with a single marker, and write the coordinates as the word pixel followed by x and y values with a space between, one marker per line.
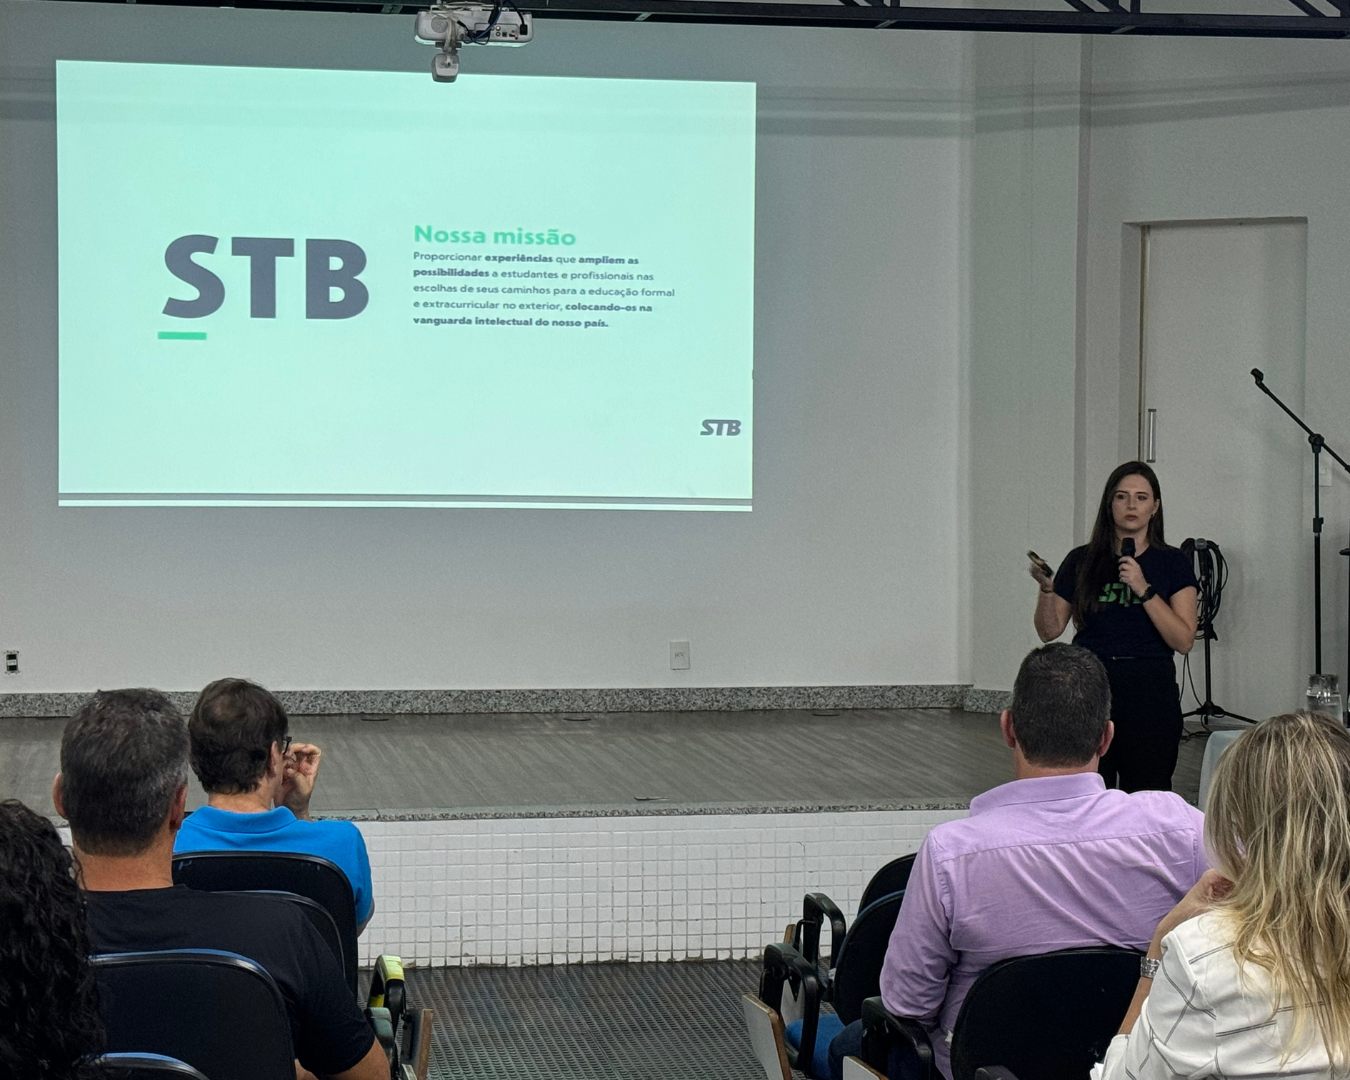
pixel 453 25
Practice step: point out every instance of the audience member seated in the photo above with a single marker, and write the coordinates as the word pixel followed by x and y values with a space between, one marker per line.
pixel 258 785
pixel 123 786
pixel 1052 860
pixel 49 1028
pixel 1250 973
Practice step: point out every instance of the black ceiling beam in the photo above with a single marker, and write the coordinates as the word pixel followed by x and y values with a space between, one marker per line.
pixel 930 18
pixel 865 16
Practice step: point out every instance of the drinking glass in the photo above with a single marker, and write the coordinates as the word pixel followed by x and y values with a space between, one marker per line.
pixel 1324 696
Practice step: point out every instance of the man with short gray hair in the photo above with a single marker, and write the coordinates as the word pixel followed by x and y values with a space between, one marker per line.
pixel 123 788
pixel 1052 860
pixel 123 760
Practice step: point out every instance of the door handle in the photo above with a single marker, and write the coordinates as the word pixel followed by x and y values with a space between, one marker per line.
pixel 1151 436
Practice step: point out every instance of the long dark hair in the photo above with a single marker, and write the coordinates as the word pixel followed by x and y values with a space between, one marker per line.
pixel 1099 563
pixel 49 1024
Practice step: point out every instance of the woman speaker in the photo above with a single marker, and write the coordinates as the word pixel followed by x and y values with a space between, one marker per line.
pixel 1132 600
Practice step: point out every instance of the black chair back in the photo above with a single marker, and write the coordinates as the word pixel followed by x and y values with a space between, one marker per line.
pixel 217 1011
pixel 317 915
pixel 1049 1016
pixel 857 970
pixel 277 871
pixel 145 1067
pixel 891 878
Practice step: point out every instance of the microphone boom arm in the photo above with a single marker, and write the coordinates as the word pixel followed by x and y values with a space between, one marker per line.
pixel 1315 439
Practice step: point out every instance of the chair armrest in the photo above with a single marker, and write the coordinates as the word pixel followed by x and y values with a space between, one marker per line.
pixel 784 964
pixel 124 1064
pixel 816 907
pixel 384 1032
pixel 994 1072
pixel 883 1030
pixel 387 988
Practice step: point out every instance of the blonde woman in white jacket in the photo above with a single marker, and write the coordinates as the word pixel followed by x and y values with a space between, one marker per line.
pixel 1249 976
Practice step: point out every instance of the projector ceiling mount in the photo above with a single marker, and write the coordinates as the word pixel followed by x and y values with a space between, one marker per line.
pixel 452 23
pixel 1306 18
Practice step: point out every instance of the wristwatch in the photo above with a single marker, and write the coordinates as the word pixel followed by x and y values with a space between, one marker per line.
pixel 1149 594
pixel 1148 967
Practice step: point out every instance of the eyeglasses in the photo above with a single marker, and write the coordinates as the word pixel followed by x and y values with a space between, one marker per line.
pixel 285 745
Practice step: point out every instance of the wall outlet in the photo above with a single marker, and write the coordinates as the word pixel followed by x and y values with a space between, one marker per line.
pixel 11 661
pixel 679 655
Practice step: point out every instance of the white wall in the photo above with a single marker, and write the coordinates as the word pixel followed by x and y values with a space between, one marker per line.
pixel 1027 149
pixel 846 572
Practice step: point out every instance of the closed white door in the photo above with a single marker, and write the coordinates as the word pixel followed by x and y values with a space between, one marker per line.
pixel 1216 301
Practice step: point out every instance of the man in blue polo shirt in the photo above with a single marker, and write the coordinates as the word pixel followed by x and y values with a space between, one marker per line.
pixel 258 785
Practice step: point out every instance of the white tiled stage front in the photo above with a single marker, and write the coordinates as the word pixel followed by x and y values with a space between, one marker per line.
pixel 553 890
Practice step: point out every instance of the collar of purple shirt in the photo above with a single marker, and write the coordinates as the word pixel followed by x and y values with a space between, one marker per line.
pixel 1039 789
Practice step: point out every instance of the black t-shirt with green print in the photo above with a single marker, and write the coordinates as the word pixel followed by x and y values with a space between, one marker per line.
pixel 1121 626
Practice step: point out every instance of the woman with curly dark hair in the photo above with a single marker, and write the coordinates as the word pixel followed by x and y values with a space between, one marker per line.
pixel 49 1026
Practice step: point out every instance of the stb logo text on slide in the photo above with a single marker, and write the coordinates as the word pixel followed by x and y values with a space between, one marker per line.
pixel 329 265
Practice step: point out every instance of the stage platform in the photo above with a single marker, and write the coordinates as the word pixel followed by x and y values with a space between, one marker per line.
pixel 537 839
pixel 676 762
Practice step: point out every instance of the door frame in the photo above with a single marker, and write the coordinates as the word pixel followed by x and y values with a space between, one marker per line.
pixel 1133 316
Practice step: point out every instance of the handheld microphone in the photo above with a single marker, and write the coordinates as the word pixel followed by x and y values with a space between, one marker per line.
pixel 1127 548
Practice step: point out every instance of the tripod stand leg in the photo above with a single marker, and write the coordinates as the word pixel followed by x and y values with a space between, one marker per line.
pixel 1207 710
pixel 1345 716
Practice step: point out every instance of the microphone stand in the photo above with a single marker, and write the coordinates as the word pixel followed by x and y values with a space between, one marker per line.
pixel 1318 444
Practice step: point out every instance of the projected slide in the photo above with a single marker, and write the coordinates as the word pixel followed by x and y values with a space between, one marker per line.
pixel 352 288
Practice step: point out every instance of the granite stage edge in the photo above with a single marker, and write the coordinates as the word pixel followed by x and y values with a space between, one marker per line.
pixel 646 809
pixel 652 809
pixel 642 699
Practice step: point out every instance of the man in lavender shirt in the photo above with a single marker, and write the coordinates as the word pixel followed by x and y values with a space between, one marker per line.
pixel 1052 860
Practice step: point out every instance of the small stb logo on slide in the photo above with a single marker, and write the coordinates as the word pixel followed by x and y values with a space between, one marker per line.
pixel 721 427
